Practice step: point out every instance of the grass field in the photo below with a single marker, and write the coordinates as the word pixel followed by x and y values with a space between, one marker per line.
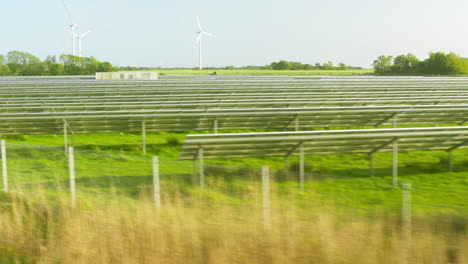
pixel 198 230
pixel 114 160
pixel 269 72
pixel 344 216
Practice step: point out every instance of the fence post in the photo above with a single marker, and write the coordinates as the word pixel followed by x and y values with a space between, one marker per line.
pixel 65 137
pixel 71 170
pixel 266 197
pixel 194 170
pixel 395 163
pixel 296 123
pixel 406 220
pixel 157 191
pixel 4 166
pixel 143 136
pixel 201 169
pixel 301 167
pixel 215 126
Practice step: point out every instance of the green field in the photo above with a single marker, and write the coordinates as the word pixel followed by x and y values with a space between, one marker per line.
pixel 343 214
pixel 270 72
pixel 113 162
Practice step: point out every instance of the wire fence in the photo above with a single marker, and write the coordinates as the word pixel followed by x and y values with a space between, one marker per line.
pixel 103 174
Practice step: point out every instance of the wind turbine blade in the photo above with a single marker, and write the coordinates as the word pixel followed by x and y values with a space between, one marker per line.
pixel 199 25
pixel 72 32
pixel 198 39
pixel 68 12
pixel 86 33
pixel 208 34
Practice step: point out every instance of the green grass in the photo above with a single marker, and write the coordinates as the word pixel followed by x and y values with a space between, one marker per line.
pixel 269 72
pixel 107 163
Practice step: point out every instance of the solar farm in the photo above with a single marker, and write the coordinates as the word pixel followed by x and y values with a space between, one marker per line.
pixel 359 144
pixel 297 115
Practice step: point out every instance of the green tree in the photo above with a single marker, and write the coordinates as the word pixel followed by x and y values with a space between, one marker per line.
pixel 107 67
pixel 308 67
pixel 4 69
pixel 456 64
pixel 281 65
pixel 53 67
pixel 89 65
pixel 71 64
pixel 342 66
pixel 437 63
pixel 23 63
pixel 383 65
pixel 405 64
pixel 296 66
pixel 327 66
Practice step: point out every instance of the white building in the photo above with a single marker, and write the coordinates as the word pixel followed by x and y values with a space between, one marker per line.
pixel 147 75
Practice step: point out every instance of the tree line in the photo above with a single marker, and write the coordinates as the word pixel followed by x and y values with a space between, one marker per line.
pixel 292 65
pixel 438 63
pixel 17 63
pixel 280 65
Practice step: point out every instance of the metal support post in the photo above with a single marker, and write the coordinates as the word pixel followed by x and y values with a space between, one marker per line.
pixel 201 169
pixel 406 219
pixel 194 171
pixel 215 126
pixel 4 166
pixel 296 123
pixel 450 161
pixel 371 164
pixel 157 191
pixel 301 166
pixel 72 138
pixel 395 163
pixel 71 170
pixel 65 138
pixel 143 136
pixel 266 197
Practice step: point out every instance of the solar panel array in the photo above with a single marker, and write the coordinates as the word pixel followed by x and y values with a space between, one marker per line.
pixel 43 105
pixel 284 144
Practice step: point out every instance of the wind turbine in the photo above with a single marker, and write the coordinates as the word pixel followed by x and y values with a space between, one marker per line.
pixel 75 36
pixel 80 37
pixel 71 27
pixel 199 41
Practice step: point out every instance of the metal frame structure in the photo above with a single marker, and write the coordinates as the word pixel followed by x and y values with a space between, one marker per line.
pixel 279 119
pixel 220 103
pixel 286 144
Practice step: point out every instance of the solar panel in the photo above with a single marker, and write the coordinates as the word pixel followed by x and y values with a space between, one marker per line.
pixel 42 105
pixel 283 144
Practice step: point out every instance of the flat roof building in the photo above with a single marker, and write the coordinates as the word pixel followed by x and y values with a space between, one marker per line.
pixel 147 75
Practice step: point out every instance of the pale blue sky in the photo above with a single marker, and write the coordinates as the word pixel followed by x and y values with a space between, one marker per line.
pixel 248 32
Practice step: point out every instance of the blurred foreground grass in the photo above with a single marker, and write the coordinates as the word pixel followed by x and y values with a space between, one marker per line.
pixel 344 216
pixel 202 228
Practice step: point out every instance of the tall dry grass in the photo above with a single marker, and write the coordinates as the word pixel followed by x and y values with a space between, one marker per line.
pixel 194 230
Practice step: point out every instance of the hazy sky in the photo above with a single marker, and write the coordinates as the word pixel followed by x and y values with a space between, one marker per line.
pixel 248 32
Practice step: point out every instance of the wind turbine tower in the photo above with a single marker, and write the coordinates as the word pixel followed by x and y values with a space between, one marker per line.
pixel 71 28
pixel 75 36
pixel 80 37
pixel 199 41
